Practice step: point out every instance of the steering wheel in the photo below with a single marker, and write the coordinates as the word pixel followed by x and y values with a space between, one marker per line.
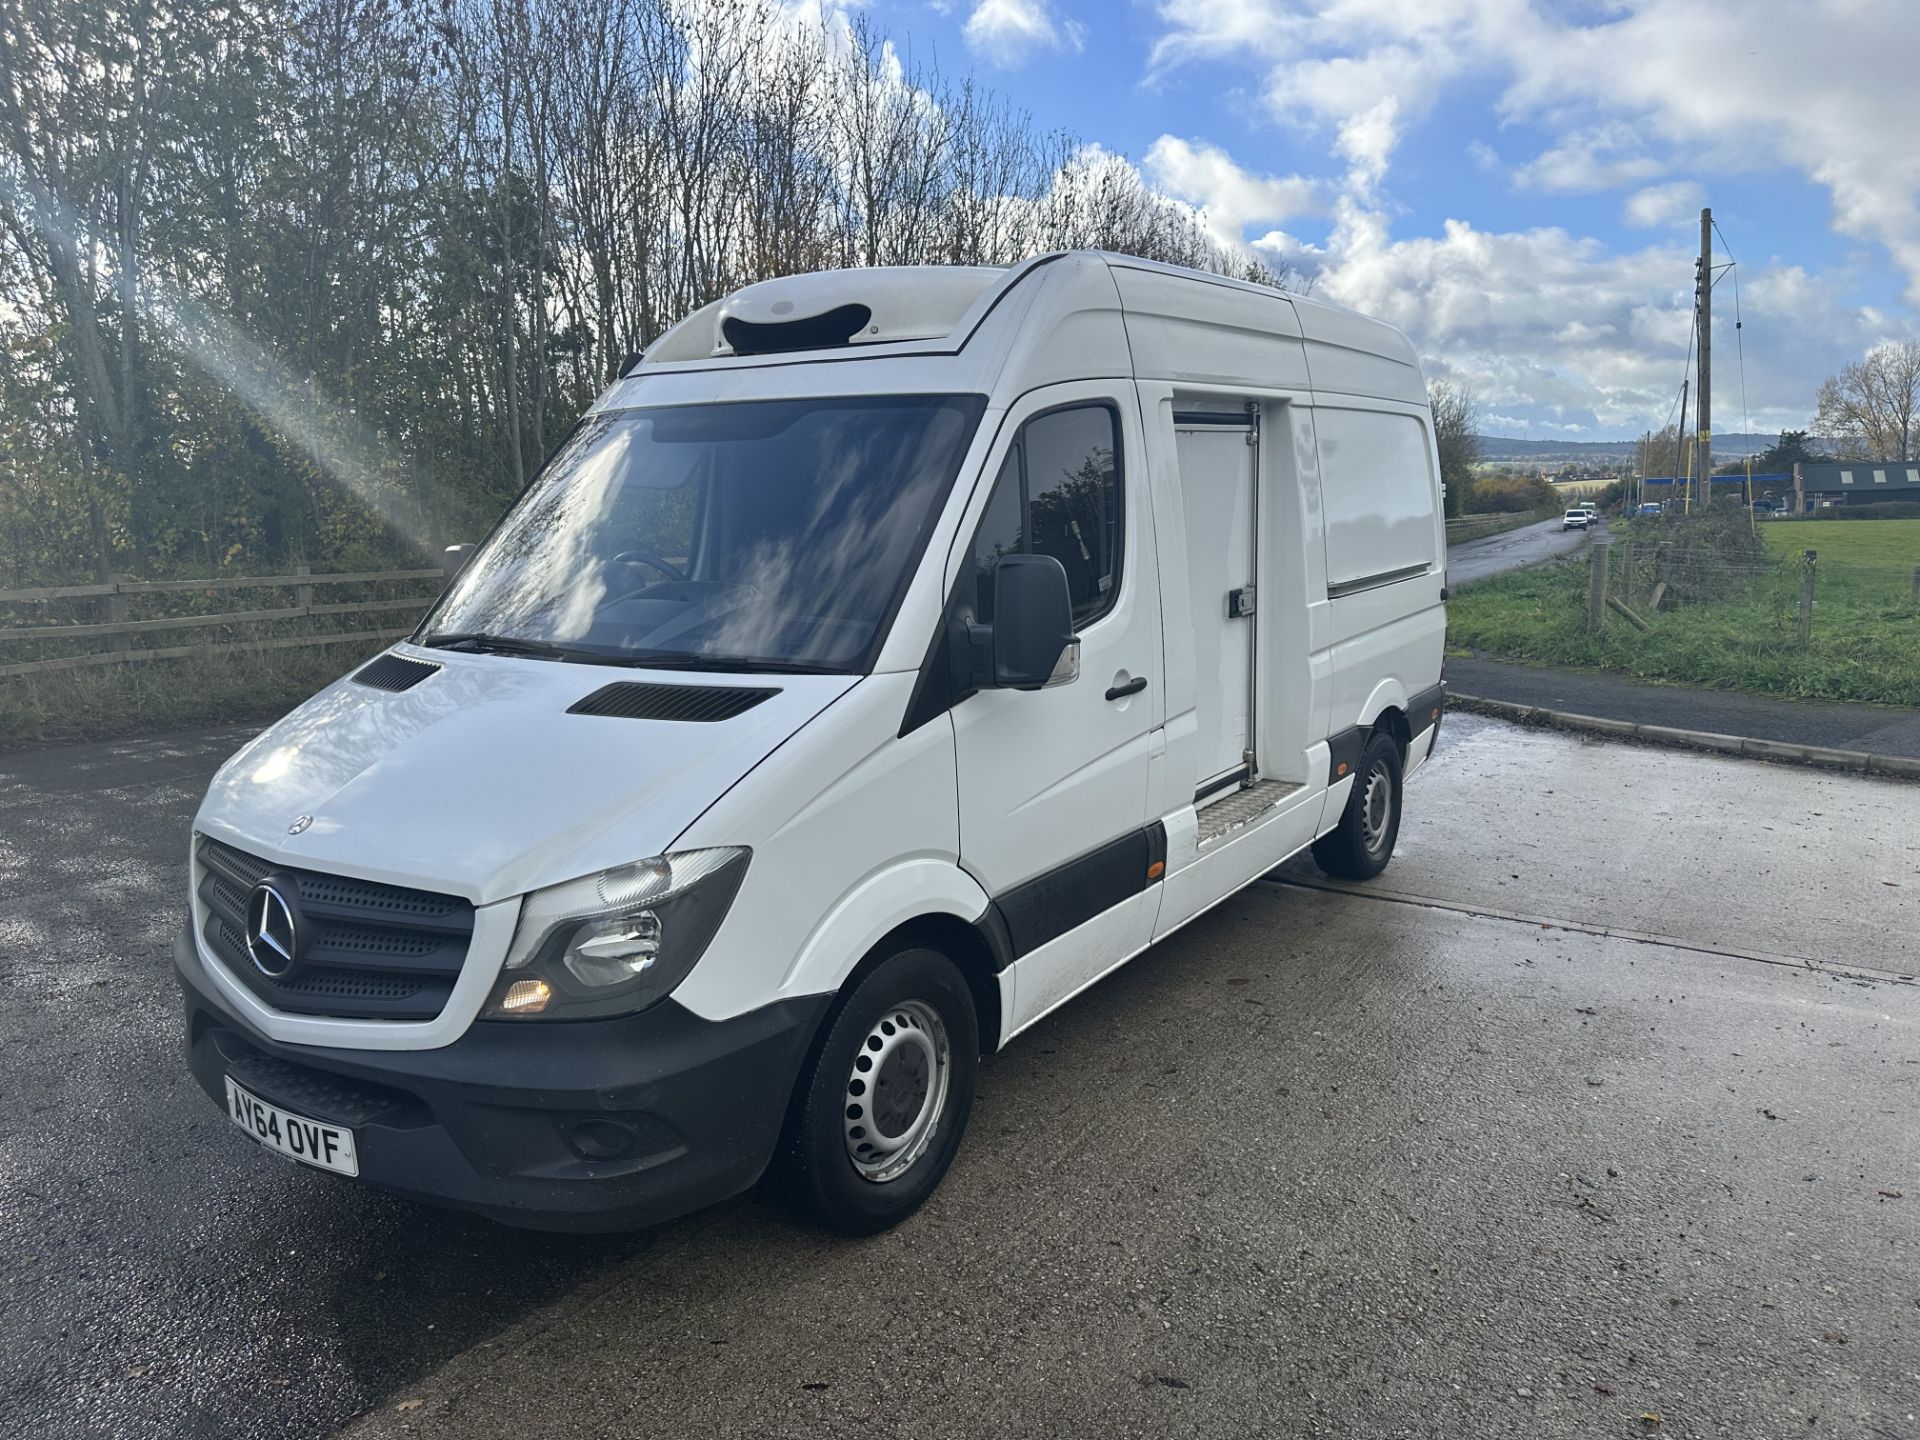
pixel 647 557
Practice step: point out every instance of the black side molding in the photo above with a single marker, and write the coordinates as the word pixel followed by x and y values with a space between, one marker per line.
pixel 1424 710
pixel 1067 896
pixel 1344 751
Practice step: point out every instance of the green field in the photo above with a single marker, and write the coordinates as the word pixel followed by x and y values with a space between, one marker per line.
pixel 1866 629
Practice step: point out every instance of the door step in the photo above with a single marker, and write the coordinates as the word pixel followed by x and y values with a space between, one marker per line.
pixel 1239 810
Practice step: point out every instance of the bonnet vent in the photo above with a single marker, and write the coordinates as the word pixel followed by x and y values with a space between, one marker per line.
pixel 393 672
pixel 811 332
pixel 631 700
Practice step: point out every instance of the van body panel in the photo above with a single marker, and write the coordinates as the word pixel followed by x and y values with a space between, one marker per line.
pixel 1222 869
pixel 478 783
pixel 843 820
pixel 1049 976
pixel 1352 354
pixel 1066 326
pixel 1209 333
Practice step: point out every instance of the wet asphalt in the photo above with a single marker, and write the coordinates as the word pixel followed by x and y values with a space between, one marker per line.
pixel 1599 1105
pixel 1511 550
pixel 1874 729
pixel 162 1276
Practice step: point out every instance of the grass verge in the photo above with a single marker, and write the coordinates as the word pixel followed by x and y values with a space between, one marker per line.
pixel 1866 628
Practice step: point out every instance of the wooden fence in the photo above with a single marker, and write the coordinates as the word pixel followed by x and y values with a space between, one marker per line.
pixel 121 598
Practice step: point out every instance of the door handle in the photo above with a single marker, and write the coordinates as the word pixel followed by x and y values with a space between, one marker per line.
pixel 1132 687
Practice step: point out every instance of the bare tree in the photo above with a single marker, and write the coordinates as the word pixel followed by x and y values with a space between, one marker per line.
pixel 1871 409
pixel 1456 435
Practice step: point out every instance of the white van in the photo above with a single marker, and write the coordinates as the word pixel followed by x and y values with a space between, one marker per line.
pixel 887 656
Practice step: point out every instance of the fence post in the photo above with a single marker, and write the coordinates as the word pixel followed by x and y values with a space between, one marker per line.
pixel 1597 581
pixel 1807 562
pixel 303 594
pixel 1916 584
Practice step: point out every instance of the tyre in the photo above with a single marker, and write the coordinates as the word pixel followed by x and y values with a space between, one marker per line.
pixel 880 1106
pixel 1359 847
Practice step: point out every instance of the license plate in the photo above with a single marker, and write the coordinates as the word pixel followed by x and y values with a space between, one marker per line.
pixel 329 1147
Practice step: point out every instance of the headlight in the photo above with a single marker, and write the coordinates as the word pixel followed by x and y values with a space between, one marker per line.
pixel 616 942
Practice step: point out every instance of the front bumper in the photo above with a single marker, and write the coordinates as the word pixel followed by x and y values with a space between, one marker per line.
pixel 581 1125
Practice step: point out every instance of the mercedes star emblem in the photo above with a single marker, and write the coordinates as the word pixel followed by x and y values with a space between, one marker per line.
pixel 273 934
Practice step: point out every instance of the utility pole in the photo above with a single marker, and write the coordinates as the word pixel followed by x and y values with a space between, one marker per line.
pixel 1705 387
pixel 1680 446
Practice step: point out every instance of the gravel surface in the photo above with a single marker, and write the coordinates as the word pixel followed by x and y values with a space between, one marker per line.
pixel 1446 1158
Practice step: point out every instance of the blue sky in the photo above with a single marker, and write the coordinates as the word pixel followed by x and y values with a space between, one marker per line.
pixel 1516 183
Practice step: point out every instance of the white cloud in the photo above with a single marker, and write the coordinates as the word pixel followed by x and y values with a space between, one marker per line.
pixel 1664 204
pixel 1603 157
pixel 1229 197
pixel 1560 332
pixel 1011 32
pixel 1617 90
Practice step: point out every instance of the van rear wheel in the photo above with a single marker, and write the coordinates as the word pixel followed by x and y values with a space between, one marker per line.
pixel 878 1112
pixel 1359 847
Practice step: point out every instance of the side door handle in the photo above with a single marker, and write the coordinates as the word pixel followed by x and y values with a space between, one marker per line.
pixel 1132 687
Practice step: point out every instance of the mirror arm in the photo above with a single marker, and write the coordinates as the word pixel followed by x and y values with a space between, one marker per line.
pixel 979 665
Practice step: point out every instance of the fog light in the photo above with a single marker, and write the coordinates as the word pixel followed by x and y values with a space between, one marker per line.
pixel 601 1139
pixel 526 997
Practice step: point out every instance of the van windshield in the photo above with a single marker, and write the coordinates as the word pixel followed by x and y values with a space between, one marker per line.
pixel 758 535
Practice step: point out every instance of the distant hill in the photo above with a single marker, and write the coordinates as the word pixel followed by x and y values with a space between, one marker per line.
pixel 1501 449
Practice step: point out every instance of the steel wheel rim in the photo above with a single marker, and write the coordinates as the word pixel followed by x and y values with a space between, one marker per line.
pixel 1376 808
pixel 896 1091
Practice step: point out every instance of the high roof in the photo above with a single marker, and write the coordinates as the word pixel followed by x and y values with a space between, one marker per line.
pixel 1065 316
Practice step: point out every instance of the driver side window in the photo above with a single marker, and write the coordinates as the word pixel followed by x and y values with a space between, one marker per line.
pixel 1059 493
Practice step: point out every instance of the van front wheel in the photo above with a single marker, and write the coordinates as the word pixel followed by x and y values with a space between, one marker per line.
pixel 1359 847
pixel 878 1112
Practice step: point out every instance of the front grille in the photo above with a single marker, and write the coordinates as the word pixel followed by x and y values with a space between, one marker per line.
pixel 369 951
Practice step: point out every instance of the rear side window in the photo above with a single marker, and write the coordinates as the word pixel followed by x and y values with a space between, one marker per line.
pixel 1059 493
pixel 1379 496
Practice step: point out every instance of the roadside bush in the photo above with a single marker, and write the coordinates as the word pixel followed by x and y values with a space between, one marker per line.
pixel 1710 555
pixel 1507 493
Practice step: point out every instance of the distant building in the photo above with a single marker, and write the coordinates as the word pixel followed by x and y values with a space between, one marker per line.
pixel 1854 482
pixel 1773 485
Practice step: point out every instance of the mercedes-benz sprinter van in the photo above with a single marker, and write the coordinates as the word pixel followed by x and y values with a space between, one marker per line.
pixel 887 656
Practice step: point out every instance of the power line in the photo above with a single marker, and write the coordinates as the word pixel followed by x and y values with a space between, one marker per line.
pixel 1740 349
pixel 1739 345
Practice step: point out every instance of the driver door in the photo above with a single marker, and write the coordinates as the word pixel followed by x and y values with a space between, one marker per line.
pixel 1053 782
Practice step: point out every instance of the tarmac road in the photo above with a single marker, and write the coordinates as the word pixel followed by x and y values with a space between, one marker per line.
pixel 1598 1104
pixel 1512 550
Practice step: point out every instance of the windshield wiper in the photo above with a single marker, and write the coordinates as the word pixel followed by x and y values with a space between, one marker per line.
pixel 737 664
pixel 481 643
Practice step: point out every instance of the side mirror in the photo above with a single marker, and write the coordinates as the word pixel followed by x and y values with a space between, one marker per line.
pixel 1032 630
pixel 454 559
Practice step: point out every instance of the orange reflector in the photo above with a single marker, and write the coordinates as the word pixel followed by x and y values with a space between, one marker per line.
pixel 1340 770
pixel 1436 713
pixel 1156 869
